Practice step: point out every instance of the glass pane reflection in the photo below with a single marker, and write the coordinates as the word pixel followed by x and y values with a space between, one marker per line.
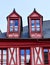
pixel 27 56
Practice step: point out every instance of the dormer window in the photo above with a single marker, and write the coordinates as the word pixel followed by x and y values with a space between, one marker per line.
pixel 35 25
pixel 14 25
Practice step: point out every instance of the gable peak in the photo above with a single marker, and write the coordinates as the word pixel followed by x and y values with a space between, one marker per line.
pixel 14 10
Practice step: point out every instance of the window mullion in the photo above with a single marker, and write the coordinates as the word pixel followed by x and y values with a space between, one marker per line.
pixel 13 25
pixel 35 25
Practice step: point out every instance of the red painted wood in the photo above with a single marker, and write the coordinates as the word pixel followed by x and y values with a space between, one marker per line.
pixel 38 56
pixel 13 16
pixel 30 17
pixel 6 43
pixel 18 57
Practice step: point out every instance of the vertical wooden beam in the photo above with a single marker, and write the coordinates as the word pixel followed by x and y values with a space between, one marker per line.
pixel 32 58
pixel 43 56
pixel 17 56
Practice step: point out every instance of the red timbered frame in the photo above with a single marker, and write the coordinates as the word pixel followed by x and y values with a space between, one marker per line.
pixel 40 17
pixel 28 43
pixel 10 17
pixel 38 55
pixel 12 58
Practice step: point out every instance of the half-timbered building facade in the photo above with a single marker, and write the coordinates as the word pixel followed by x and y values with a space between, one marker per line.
pixel 29 45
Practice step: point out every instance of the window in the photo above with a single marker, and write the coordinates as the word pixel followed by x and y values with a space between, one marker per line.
pixel 14 25
pixel 46 61
pixel 25 56
pixel 35 25
pixel 3 57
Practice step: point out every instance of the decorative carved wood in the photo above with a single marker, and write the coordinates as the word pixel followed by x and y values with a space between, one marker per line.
pixel 12 56
pixel 38 55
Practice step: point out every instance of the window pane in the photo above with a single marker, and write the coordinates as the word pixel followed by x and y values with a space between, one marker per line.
pixel 37 23
pixel 27 56
pixel 22 52
pixel 37 29
pixel 11 22
pixel 4 52
pixel 11 28
pixel 33 29
pixel 27 52
pixel 11 25
pixel 4 56
pixel 16 28
pixel 32 21
pixel 16 22
pixel 45 50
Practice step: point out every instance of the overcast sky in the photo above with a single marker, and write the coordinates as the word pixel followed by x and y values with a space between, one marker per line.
pixel 24 8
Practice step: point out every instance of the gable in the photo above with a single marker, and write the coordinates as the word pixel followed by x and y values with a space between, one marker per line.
pixel 13 15
pixel 34 15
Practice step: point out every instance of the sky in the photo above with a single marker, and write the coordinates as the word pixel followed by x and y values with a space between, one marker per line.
pixel 24 8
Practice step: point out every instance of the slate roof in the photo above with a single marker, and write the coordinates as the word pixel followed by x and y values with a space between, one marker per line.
pixel 25 35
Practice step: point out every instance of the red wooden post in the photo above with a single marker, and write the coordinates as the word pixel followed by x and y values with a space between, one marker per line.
pixel 32 56
pixel 18 62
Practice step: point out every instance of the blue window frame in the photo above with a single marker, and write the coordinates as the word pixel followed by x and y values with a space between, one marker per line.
pixel 35 25
pixel 14 25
